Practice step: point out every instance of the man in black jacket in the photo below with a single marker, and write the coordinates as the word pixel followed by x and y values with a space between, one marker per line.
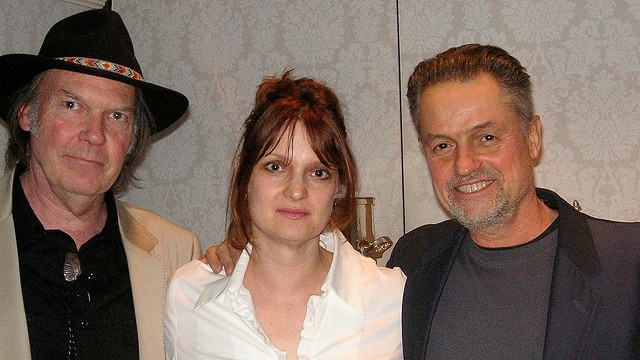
pixel 519 273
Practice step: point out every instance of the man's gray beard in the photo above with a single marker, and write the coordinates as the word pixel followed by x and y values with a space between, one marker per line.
pixel 503 210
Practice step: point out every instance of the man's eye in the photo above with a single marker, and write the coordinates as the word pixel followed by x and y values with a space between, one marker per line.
pixel 488 137
pixel 70 105
pixel 120 119
pixel 441 146
pixel 119 116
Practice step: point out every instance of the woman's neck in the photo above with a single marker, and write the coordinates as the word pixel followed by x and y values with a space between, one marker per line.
pixel 288 269
pixel 281 283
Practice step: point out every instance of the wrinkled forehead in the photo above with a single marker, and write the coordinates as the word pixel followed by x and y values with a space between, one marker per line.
pixel 63 80
pixel 463 103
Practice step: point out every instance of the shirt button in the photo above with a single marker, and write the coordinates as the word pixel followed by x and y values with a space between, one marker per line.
pixel 84 323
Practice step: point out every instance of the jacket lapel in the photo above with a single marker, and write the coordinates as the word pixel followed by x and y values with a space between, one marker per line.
pixel 14 337
pixel 148 278
pixel 574 286
pixel 572 305
pixel 421 296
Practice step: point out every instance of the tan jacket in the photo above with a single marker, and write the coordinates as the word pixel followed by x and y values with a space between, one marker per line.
pixel 155 248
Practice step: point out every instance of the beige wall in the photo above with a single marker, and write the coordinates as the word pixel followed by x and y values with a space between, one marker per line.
pixel 583 57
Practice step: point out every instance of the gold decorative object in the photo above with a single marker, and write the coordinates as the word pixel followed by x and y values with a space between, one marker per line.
pixel 360 231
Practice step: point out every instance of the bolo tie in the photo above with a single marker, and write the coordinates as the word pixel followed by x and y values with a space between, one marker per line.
pixel 71 270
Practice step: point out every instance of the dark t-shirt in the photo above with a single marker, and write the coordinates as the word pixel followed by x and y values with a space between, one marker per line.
pixel 495 302
pixel 91 317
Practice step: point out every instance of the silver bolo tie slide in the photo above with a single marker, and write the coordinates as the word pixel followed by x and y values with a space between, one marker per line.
pixel 71 269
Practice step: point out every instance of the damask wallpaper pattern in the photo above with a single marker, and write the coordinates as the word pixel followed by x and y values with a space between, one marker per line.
pixel 583 57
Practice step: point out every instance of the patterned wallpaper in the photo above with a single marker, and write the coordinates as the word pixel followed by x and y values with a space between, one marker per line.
pixel 583 57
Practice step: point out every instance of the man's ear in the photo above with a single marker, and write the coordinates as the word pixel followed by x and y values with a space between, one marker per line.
pixel 420 144
pixel 534 138
pixel 23 117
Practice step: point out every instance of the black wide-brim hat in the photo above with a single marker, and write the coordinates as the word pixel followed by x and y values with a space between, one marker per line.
pixel 94 42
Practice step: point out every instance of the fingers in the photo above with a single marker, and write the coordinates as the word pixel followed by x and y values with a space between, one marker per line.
pixel 222 256
pixel 212 259
pixel 225 253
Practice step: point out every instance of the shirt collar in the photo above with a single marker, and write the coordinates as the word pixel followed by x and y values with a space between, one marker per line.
pixel 29 229
pixel 228 285
pixel 345 275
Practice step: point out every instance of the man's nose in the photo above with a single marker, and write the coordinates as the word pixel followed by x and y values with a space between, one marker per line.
pixel 94 129
pixel 466 160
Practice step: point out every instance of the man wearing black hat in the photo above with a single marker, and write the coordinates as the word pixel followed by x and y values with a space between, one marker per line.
pixel 82 275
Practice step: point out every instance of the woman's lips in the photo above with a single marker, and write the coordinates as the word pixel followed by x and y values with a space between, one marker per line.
pixel 293 214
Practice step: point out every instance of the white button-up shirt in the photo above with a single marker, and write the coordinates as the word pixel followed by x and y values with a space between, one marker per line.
pixel 357 316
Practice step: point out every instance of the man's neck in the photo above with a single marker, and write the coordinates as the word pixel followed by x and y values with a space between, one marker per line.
pixel 79 217
pixel 533 217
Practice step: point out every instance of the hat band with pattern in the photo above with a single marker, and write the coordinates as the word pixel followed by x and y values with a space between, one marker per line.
pixel 104 65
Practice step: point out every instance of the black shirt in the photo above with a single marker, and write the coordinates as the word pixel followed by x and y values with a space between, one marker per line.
pixel 91 317
pixel 495 301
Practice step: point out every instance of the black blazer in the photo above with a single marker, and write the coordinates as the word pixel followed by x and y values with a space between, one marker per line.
pixel 594 308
